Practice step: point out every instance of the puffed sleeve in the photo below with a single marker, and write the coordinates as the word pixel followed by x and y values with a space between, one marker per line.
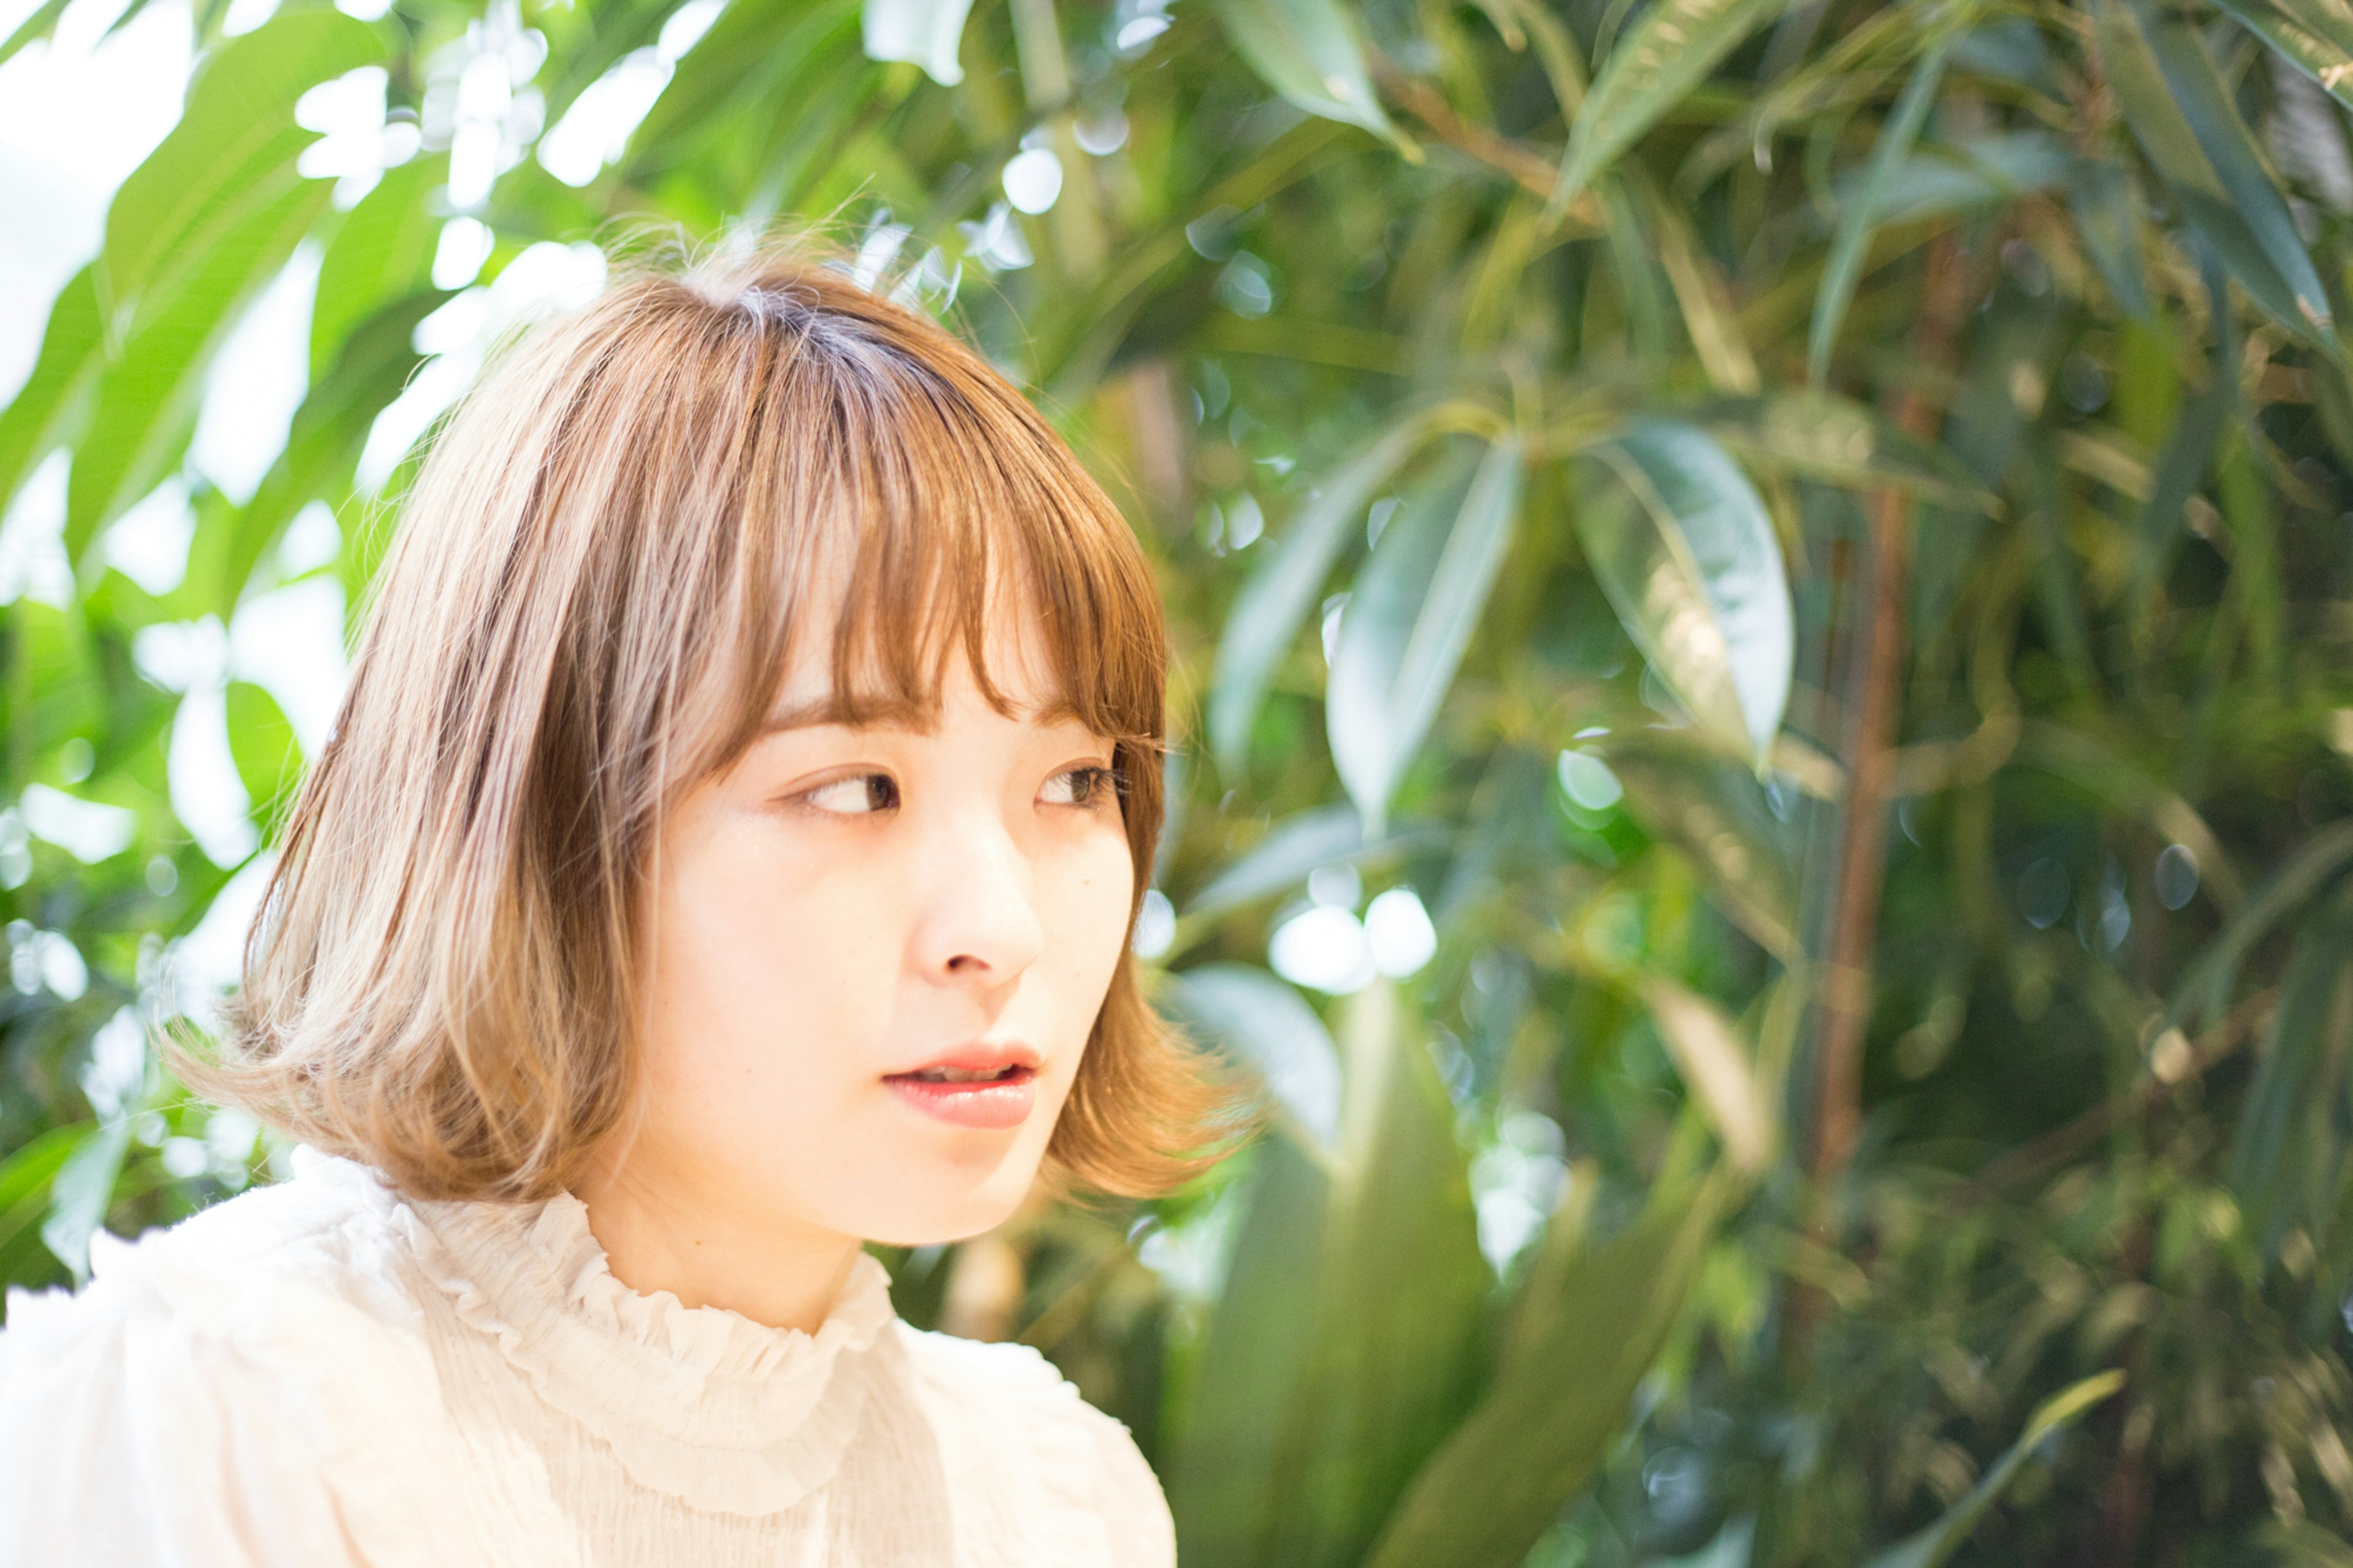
pixel 1127 1493
pixel 1044 1463
pixel 132 1432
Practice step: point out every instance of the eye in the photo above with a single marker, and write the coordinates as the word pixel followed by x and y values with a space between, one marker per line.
pixel 1090 785
pixel 860 795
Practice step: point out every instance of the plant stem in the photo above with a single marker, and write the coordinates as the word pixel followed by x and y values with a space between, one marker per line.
pixel 1862 849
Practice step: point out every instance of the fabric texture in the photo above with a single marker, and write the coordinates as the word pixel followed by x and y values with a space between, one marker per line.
pixel 323 1374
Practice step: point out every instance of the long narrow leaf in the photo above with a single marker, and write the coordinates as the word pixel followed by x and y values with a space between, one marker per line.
pixel 1590 1324
pixel 1267 613
pixel 2181 114
pixel 1682 543
pixel 1408 621
pixel 1936 1543
pixel 1308 51
pixel 1859 215
pixel 2309 36
pixel 1670 51
pixel 50 408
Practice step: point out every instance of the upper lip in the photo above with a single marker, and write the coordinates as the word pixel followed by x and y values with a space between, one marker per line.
pixel 979 1055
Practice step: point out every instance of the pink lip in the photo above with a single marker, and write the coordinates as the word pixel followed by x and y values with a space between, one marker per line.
pixel 998 1103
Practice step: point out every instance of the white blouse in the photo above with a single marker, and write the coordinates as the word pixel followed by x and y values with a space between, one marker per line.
pixel 323 1374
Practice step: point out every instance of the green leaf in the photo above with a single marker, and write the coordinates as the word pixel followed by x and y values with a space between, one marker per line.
pixel 261 742
pixel 148 399
pixel 1308 51
pixel 1859 216
pixel 1588 1324
pixel 53 401
pixel 926 32
pixel 1378 1274
pixel 2180 110
pixel 1256 1364
pixel 1680 541
pixel 39 26
pixel 1409 622
pixel 1821 435
pixel 1938 1542
pixel 1669 52
pixel 382 251
pixel 1716 1068
pixel 1717 815
pixel 1319 835
pixel 82 1191
pixel 237 137
pixel 2290 1161
pixel 2188 453
pixel 24 1182
pixel 2100 195
pixel 2205 987
pixel 323 447
pixel 1266 615
pixel 2308 33
pixel 1268 1027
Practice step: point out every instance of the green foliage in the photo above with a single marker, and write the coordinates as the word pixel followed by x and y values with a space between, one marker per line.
pixel 1511 451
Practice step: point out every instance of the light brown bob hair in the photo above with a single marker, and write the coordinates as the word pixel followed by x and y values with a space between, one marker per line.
pixel 588 606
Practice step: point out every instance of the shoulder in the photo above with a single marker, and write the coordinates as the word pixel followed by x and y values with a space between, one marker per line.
pixel 332 1233
pixel 187 1385
pixel 1086 1462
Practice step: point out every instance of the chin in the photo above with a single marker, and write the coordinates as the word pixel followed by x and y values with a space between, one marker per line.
pixel 954 1212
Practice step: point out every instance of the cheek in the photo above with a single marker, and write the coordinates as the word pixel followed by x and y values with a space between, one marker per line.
pixel 767 972
pixel 1086 919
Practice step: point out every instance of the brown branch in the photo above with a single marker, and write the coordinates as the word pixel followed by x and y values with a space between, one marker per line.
pixel 1862 849
pixel 1531 169
pixel 2172 1064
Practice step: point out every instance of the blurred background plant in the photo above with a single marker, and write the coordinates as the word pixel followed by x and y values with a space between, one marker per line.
pixel 1764 593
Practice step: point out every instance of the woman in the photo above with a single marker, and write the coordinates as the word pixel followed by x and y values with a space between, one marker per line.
pixel 725 857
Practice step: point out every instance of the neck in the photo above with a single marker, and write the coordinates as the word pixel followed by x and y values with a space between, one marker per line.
pixel 668 1235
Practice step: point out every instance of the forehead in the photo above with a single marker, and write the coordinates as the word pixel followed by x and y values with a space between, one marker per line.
pixel 839 668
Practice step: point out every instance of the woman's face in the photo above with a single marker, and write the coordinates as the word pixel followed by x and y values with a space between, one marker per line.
pixel 876 956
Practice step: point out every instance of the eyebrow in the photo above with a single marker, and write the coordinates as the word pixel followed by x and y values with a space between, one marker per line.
pixel 898 713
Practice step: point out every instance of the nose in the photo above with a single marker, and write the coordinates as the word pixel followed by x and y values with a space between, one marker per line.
pixel 981 922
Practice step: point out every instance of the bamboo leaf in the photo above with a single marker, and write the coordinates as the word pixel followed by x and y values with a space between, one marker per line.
pixel 1308 51
pixel 1345 1345
pixel 1266 615
pixel 382 251
pixel 147 401
pixel 50 408
pixel 1410 619
pixel 1680 543
pixel 1591 1320
pixel 1936 1543
pixel 2181 111
pixel 1859 216
pixel 1821 435
pixel 1716 1068
pixel 2290 1161
pixel 1256 1363
pixel 1669 52
pixel 238 136
pixel 2308 35
pixel 323 445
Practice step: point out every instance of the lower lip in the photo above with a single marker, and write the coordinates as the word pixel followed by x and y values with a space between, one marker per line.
pixel 998 1103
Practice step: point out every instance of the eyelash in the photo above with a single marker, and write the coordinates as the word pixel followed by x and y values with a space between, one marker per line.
pixel 1101 787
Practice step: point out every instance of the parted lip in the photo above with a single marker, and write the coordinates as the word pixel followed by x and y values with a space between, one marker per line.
pixel 977 1056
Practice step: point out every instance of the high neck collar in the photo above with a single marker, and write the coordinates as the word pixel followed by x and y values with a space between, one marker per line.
pixel 701 1403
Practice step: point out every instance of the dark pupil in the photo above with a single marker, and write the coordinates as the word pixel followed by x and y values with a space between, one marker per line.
pixel 881 792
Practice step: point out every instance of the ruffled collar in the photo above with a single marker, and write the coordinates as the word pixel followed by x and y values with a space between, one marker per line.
pixel 701 1403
